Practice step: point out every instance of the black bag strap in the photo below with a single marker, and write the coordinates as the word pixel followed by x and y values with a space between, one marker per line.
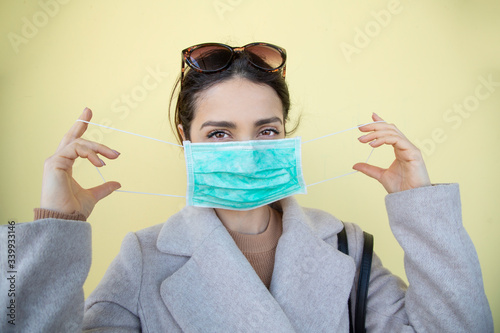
pixel 363 281
pixel 344 248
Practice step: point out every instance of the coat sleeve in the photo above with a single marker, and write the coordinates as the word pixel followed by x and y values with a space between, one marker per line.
pixel 114 305
pixel 446 292
pixel 52 260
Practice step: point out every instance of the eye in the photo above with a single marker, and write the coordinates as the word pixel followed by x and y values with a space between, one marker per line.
pixel 269 132
pixel 218 135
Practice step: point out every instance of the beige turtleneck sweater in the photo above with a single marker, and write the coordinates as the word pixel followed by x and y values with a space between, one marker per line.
pixel 260 249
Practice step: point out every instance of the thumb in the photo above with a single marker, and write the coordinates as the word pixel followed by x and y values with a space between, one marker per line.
pixel 369 170
pixel 104 190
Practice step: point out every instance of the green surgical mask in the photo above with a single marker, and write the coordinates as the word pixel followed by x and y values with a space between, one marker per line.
pixel 243 175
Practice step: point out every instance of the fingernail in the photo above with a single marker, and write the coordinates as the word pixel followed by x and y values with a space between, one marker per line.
pixel 361 137
pixel 102 162
pixel 114 151
pixel 372 143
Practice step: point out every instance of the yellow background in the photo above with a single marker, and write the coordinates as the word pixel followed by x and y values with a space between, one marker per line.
pixel 410 66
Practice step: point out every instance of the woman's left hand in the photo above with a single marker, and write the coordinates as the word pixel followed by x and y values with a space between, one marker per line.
pixel 408 169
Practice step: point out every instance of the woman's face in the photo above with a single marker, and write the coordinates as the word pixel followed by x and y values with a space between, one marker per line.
pixel 237 110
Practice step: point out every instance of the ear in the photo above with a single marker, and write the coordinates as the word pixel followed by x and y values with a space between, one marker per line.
pixel 180 129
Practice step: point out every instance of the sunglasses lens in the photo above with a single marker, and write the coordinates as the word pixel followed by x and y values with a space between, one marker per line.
pixel 265 56
pixel 210 57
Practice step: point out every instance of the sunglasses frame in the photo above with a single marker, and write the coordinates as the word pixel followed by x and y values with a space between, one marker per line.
pixel 186 54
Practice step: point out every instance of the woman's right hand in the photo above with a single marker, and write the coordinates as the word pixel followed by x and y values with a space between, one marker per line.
pixel 60 192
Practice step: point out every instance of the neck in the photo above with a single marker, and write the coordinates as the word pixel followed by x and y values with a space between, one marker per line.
pixel 253 221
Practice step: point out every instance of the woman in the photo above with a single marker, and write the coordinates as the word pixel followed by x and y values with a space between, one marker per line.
pixel 259 268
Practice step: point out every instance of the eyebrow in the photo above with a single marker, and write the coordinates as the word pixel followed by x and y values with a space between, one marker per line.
pixel 228 124
pixel 268 121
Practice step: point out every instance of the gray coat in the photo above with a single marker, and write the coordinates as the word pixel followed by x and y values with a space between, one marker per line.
pixel 188 275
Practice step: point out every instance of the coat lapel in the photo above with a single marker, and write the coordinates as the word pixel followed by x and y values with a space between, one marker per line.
pixel 217 287
pixel 312 280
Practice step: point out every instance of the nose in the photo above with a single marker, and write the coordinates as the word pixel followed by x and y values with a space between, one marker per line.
pixel 244 137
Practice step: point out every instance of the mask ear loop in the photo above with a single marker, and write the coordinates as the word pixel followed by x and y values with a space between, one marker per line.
pixel 344 175
pixel 331 134
pixel 142 136
pixel 119 130
pixel 325 136
pixel 159 194
pixel 174 144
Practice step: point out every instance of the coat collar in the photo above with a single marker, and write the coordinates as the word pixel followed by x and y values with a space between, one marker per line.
pixel 186 230
pixel 217 287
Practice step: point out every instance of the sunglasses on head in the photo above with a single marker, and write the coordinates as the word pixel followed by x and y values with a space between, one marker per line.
pixel 216 57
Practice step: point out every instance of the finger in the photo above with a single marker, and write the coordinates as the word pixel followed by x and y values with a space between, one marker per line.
pixel 64 159
pixel 78 128
pixel 85 149
pixel 376 117
pixel 94 146
pixel 381 130
pixel 100 149
pixel 88 153
pixel 104 190
pixel 377 134
pixel 399 143
pixel 377 126
pixel 369 170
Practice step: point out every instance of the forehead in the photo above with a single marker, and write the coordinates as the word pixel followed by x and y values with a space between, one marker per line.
pixel 238 100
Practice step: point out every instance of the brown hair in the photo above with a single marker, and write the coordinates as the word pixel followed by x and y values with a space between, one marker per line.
pixel 195 83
